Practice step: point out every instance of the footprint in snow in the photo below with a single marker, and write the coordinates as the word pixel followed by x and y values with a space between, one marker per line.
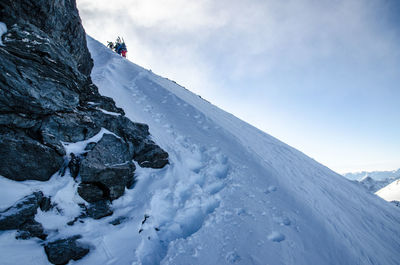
pixel 270 189
pixel 281 220
pixel 232 257
pixel 276 237
pixel 148 108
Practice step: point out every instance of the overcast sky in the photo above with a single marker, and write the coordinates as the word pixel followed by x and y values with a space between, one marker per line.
pixel 321 75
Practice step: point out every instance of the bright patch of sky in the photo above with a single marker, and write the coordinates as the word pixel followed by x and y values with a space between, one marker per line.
pixel 322 76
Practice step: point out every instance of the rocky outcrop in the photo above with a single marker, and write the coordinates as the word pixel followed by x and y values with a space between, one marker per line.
pixel 64 250
pixel 21 216
pixel 47 97
pixel 47 100
pixel 58 19
pixel 108 167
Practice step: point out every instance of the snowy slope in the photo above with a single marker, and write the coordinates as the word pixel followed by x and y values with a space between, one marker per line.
pixel 231 194
pixel 234 194
pixel 391 192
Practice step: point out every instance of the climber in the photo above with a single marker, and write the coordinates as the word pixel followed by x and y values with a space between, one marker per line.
pixel 117 46
pixel 124 50
pixel 110 45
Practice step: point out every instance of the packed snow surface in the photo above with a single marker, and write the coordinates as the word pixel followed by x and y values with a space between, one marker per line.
pixel 3 30
pixel 230 195
pixel 391 192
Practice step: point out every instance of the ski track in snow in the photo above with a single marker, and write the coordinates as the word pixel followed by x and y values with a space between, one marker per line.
pixel 230 195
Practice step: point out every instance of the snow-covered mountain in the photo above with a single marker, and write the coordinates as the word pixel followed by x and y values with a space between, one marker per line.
pixel 224 192
pixel 375 180
pixel 390 192
pixel 373 185
pixel 375 175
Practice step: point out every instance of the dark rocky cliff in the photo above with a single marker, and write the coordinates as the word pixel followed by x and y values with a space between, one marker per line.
pixel 47 98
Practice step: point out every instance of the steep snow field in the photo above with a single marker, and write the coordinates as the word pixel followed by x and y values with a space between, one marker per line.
pixel 234 194
pixel 231 194
pixel 391 192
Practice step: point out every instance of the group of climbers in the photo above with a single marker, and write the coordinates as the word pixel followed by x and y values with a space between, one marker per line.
pixel 119 46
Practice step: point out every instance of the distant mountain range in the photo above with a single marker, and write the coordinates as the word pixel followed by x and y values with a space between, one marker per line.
pixel 375 175
pixel 385 184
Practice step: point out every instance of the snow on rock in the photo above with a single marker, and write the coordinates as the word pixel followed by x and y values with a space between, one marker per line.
pixel 78 148
pixel 3 30
pixel 231 194
pixel 391 192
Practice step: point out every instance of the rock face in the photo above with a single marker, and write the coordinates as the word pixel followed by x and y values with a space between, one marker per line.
pixel 108 167
pixel 47 97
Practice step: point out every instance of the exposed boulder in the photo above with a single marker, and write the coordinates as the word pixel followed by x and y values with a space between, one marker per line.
pixel 142 149
pixel 99 210
pixel 22 211
pixel 64 250
pixel 151 156
pixel 45 204
pixel 21 216
pixel 93 192
pixel 107 166
pixel 31 229
pixel 22 157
